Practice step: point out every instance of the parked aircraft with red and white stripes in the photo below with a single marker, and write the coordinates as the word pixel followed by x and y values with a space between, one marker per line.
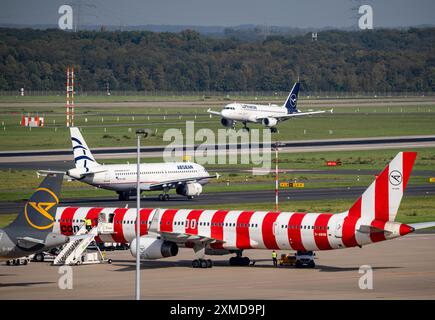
pixel 215 232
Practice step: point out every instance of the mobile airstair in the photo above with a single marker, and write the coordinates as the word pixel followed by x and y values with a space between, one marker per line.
pixel 76 251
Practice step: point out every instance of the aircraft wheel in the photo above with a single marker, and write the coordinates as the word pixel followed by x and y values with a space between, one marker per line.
pixel 273 130
pixel 245 261
pixel 232 261
pixel 8 263
pixel 203 263
pixel 39 257
pixel 311 264
pixel 298 264
pixel 195 263
pixel 166 197
pixel 109 261
pixel 209 263
pixel 161 197
pixel 25 262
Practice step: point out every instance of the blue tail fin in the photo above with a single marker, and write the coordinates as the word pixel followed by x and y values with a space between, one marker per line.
pixel 292 99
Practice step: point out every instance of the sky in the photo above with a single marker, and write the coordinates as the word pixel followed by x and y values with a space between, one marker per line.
pixel 301 13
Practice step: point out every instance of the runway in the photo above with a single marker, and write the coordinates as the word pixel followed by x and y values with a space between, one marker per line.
pixel 219 198
pixel 402 269
pixel 286 146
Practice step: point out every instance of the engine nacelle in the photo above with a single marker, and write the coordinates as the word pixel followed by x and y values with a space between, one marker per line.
pixel 227 122
pixel 189 189
pixel 270 122
pixel 151 248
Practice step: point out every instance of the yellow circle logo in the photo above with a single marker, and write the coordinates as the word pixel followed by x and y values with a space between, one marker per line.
pixel 33 210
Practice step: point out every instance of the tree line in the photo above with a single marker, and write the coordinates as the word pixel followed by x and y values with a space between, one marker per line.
pixel 349 61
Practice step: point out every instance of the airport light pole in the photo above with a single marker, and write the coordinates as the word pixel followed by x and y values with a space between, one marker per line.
pixel 277 145
pixel 139 132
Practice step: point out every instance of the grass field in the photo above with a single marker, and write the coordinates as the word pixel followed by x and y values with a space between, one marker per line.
pixel 18 185
pixel 115 125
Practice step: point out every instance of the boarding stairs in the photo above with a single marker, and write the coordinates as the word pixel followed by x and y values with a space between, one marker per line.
pixel 73 252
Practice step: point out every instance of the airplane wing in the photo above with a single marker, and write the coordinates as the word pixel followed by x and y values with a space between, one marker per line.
pixel 185 237
pixel 29 243
pixel 174 183
pixel 214 112
pixel 178 237
pixel 296 114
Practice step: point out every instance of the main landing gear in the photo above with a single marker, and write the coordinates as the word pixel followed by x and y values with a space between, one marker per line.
pixel 245 128
pixel 123 196
pixel 202 263
pixel 163 197
pixel 238 260
pixel 274 129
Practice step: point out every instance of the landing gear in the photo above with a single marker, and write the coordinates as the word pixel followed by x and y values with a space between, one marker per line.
pixel 202 263
pixel 190 197
pixel 123 196
pixel 245 128
pixel 238 260
pixel 39 257
pixel 274 129
pixel 163 197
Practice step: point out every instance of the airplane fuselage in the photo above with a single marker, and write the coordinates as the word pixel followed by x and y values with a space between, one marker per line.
pixel 123 177
pixel 251 112
pixel 238 230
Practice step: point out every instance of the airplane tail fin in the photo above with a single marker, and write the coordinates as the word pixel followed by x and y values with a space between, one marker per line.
pixel 291 103
pixel 83 157
pixel 381 200
pixel 37 217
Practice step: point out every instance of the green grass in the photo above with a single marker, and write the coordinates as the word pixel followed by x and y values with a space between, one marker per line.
pixel 6 219
pixel 19 184
pixel 351 160
pixel 118 126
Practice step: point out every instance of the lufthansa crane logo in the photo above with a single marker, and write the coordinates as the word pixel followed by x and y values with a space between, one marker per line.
pixel 395 178
pixel 37 213
pixel 293 100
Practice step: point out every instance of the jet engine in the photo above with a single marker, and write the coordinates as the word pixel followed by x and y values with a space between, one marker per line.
pixel 270 122
pixel 227 122
pixel 189 189
pixel 152 248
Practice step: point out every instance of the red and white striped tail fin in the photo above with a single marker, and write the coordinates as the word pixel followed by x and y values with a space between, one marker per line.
pixel 382 199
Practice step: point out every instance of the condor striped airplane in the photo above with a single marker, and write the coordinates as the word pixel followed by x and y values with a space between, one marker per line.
pixel 216 232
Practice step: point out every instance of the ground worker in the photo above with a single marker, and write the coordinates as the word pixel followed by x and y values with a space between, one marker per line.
pixel 88 223
pixel 275 261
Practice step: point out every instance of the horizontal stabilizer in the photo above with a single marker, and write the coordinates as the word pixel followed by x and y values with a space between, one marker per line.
pixel 213 112
pixel 422 225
